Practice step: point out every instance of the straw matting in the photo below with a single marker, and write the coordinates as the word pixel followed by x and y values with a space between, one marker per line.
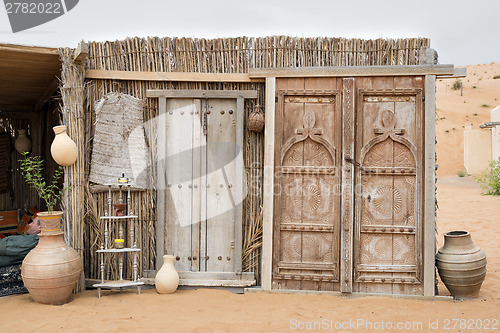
pixel 119 141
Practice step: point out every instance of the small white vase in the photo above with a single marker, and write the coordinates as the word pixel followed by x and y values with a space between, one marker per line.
pixel 167 278
pixel 23 142
pixel 63 149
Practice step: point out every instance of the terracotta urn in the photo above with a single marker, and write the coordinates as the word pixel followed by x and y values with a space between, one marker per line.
pixel 167 278
pixel 461 264
pixel 50 271
pixel 63 149
pixel 23 142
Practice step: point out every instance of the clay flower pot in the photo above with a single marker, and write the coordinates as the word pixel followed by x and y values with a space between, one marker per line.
pixel 167 278
pixel 50 223
pixel 461 264
pixel 63 149
pixel 120 209
pixel 23 143
pixel 50 271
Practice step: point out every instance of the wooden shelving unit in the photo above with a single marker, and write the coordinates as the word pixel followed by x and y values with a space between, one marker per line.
pixel 131 250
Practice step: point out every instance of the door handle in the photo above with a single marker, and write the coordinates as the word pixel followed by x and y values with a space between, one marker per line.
pixel 351 160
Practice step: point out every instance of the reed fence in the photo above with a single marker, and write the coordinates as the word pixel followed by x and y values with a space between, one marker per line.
pixel 227 55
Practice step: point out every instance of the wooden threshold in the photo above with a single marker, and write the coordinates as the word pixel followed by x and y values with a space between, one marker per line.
pixel 347 295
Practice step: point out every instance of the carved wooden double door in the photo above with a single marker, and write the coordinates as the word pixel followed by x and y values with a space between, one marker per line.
pixel 347 197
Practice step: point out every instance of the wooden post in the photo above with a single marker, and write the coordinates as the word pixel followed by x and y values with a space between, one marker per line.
pixel 161 182
pixel 429 213
pixel 348 172
pixel 240 184
pixel 268 201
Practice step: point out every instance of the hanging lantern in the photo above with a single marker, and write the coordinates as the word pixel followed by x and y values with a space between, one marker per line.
pixel 255 120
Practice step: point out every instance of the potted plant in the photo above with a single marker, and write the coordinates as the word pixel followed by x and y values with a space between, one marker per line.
pixel 32 168
pixel 49 271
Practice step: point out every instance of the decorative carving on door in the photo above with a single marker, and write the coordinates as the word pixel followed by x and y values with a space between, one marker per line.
pixel 306 232
pixel 388 232
pixel 347 204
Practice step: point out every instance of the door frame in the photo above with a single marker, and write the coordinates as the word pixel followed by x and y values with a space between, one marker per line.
pixel 428 215
pixel 163 95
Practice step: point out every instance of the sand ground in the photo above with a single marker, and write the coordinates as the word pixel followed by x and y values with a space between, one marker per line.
pixel 461 207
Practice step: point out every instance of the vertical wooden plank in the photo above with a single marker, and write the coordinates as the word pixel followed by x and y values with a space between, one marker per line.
pixel 196 185
pixel 239 188
pixel 268 201
pixel 178 170
pixel 203 190
pixel 161 182
pixel 347 216
pixel 221 178
pixel 429 184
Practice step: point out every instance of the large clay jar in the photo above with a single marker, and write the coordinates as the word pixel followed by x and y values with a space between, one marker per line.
pixel 461 264
pixel 167 278
pixel 63 149
pixel 50 223
pixel 23 143
pixel 50 271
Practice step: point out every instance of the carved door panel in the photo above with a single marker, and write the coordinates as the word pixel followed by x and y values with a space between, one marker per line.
pixel 307 202
pixel 373 244
pixel 388 228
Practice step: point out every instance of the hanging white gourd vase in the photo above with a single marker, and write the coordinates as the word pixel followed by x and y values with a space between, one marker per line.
pixel 23 142
pixel 63 149
pixel 167 278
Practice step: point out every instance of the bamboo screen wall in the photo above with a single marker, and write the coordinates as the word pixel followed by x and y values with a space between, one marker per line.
pixel 230 55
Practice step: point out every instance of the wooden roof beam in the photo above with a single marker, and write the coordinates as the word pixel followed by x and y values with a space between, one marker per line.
pixel 168 76
pixel 28 49
pixel 347 71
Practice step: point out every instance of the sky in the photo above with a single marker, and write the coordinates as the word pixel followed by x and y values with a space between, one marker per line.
pixel 463 32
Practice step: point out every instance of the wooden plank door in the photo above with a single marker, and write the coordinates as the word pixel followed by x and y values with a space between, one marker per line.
pixel 203 169
pixel 388 223
pixel 219 230
pixel 182 171
pixel 307 181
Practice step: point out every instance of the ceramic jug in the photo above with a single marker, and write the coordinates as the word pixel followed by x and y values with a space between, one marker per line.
pixel 167 278
pixel 63 149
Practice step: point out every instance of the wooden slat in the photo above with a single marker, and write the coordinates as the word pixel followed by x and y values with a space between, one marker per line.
pixel 352 71
pixel 161 182
pixel 250 94
pixel 82 51
pixel 196 187
pixel 222 218
pixel 28 49
pixel 239 190
pixel 346 252
pixel 168 76
pixel 429 184
pixel 267 234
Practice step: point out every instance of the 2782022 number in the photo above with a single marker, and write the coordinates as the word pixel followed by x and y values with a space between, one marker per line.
pixel 33 8
pixel 471 324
